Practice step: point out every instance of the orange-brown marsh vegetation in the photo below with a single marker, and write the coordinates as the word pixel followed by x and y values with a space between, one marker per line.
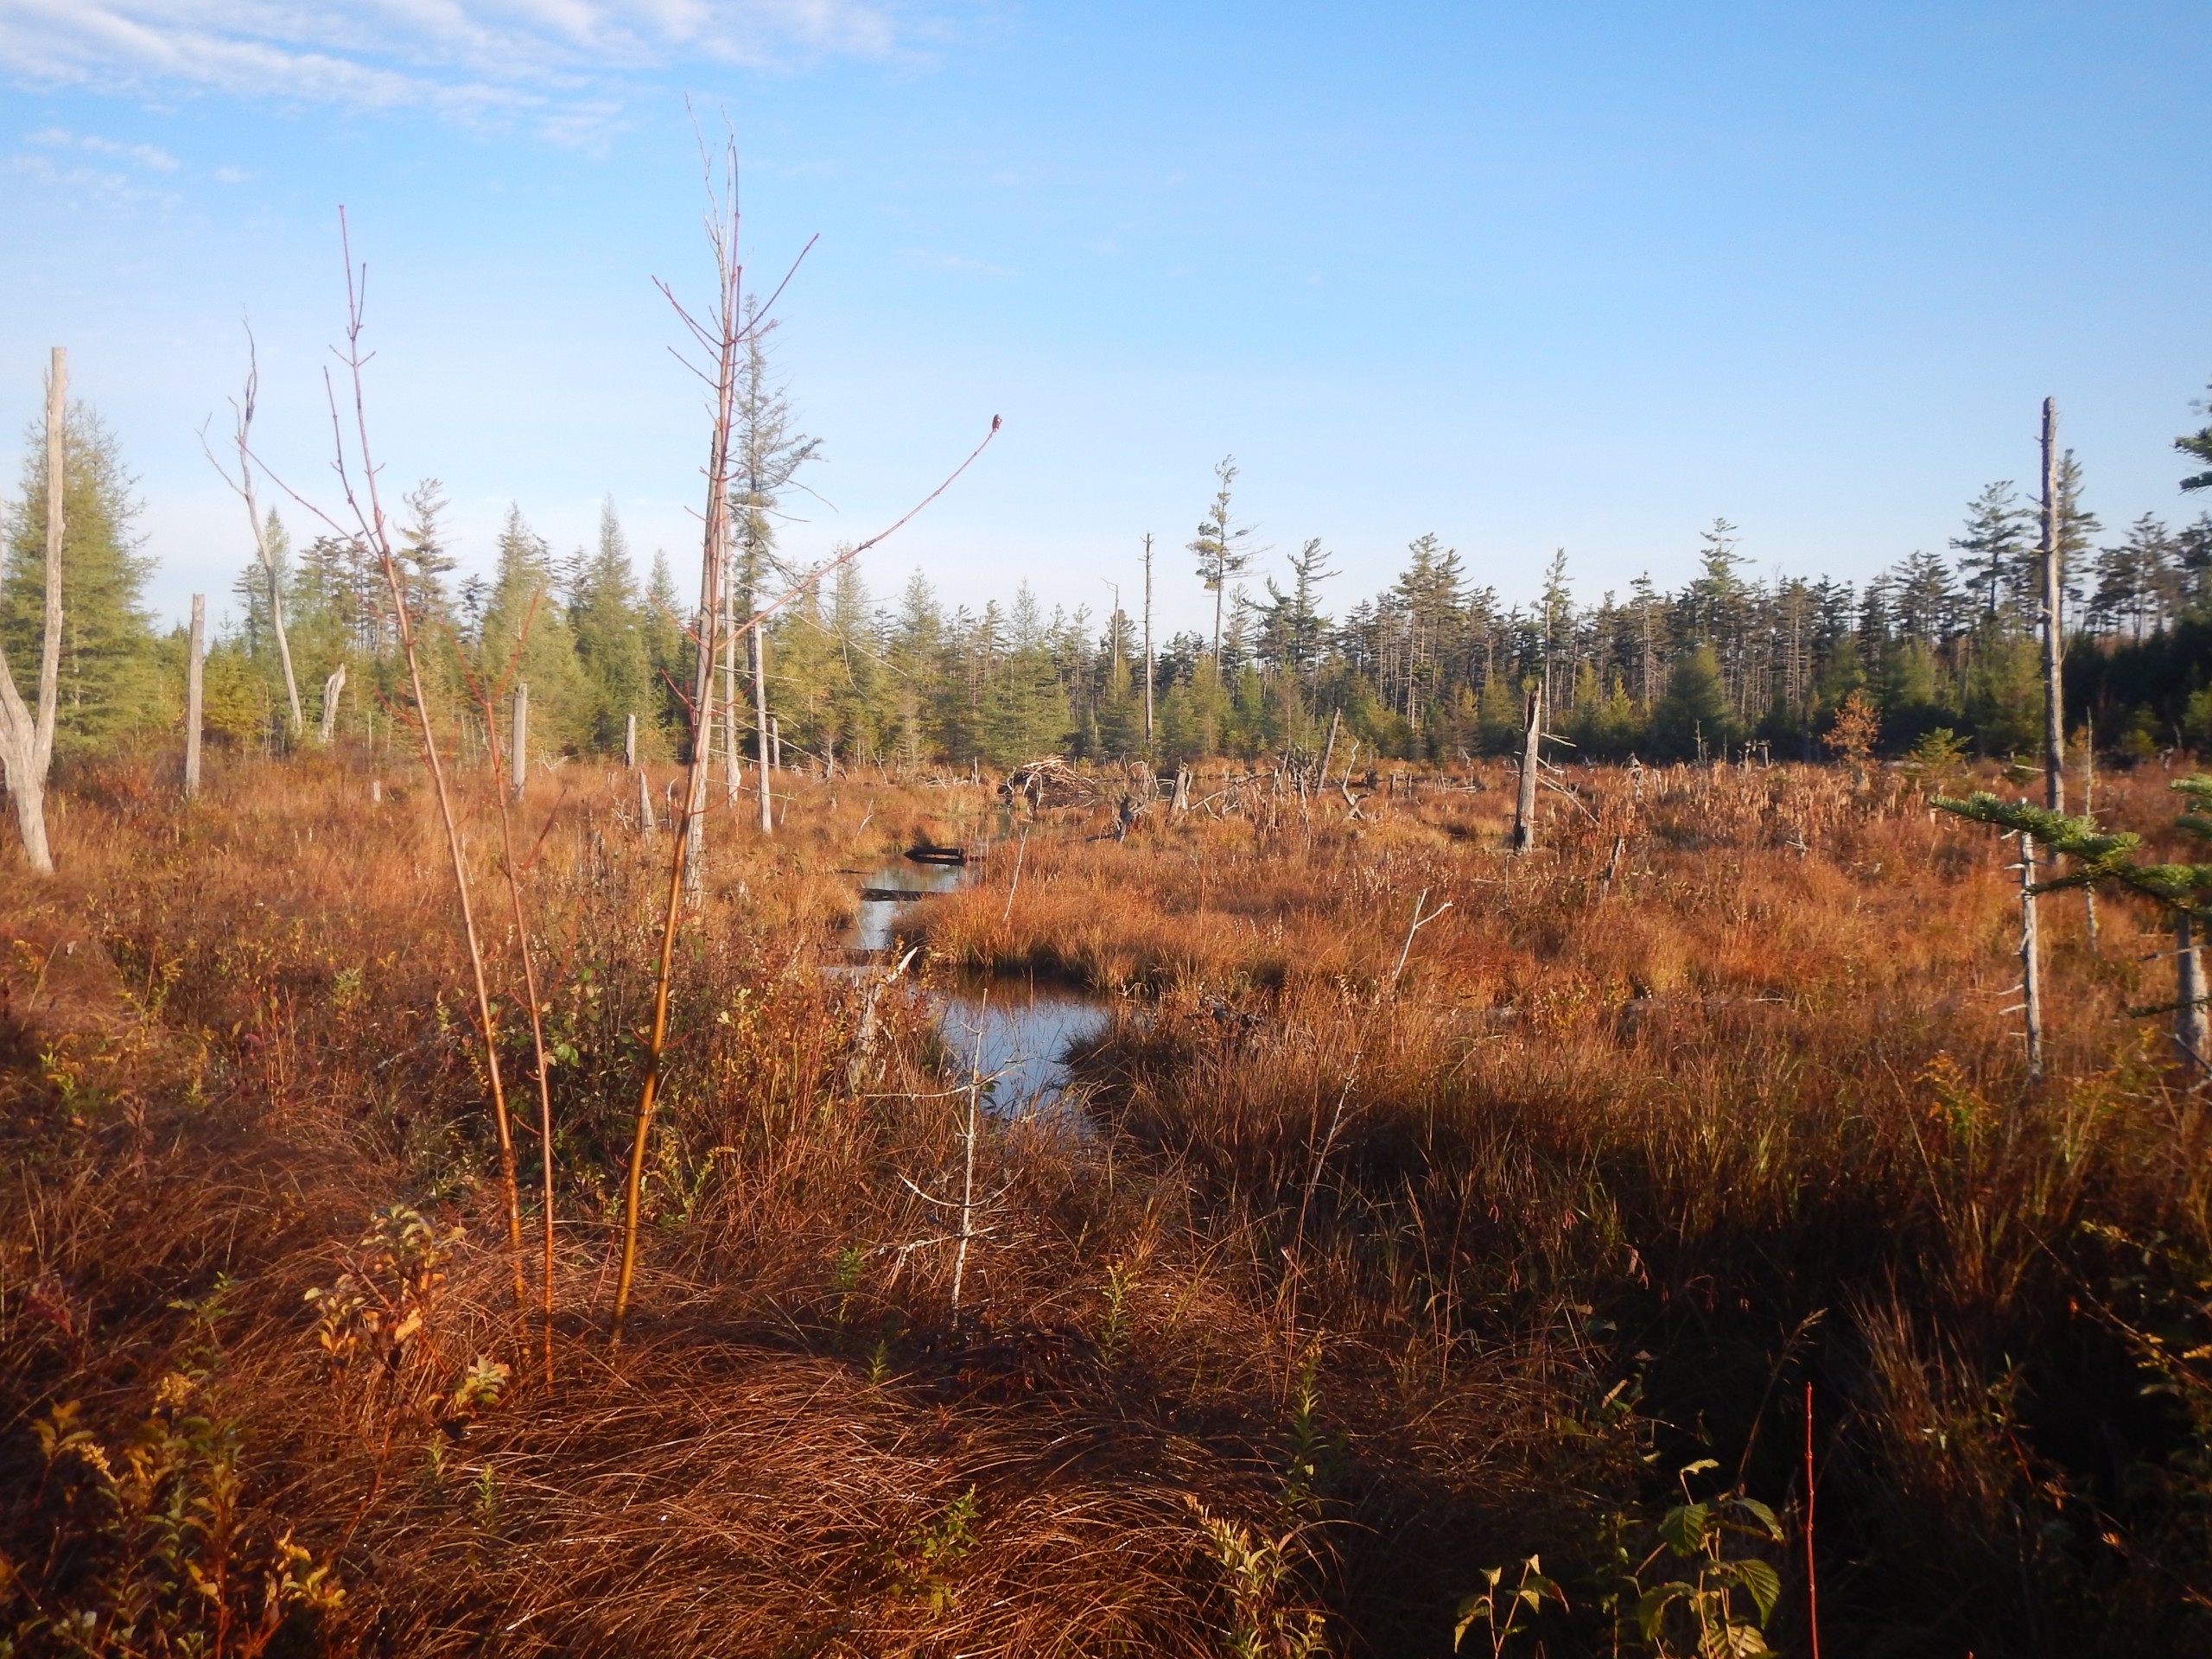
pixel 1353 1281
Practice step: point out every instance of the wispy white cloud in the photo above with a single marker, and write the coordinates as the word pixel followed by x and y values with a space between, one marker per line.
pixel 147 156
pixel 80 181
pixel 556 64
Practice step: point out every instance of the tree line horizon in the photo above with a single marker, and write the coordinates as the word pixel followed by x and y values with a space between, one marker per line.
pixel 1434 668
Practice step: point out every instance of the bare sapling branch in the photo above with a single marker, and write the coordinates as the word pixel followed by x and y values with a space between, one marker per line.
pixel 1419 922
pixel 371 532
pixel 511 868
pixel 968 1133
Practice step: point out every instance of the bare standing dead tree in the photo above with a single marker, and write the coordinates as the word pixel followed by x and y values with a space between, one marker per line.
pixel 27 739
pixel 1524 805
pixel 2031 1004
pixel 722 335
pixel 2053 581
pixel 766 455
pixel 264 551
pixel 1148 669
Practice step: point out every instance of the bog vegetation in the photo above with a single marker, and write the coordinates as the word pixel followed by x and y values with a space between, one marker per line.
pixel 1556 1163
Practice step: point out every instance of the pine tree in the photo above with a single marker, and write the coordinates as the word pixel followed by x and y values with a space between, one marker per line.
pixel 609 627
pixel 1691 721
pixel 2197 446
pixel 1994 551
pixel 110 687
pixel 1558 603
pixel 1651 640
pixel 856 718
pixel 2137 584
pixel 1926 605
pixel 766 455
pixel 425 553
pixel 918 654
pixel 1022 711
pixel 1292 628
pixel 1222 546
pixel 669 660
pixel 1713 608
pixel 525 638
pixel 2077 530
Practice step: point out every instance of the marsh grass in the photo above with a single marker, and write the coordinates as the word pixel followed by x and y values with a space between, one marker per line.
pixel 1354 1290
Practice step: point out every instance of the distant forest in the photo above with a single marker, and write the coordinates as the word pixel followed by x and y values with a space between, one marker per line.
pixel 1434 668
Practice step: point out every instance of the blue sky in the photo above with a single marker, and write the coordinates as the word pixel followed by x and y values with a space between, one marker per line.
pixel 1528 276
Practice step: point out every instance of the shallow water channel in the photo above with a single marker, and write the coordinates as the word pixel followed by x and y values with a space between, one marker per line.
pixel 1013 1031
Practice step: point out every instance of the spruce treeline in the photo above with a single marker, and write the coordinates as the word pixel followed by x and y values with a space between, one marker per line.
pixel 1436 667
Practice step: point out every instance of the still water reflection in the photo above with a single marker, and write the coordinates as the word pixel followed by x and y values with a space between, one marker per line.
pixel 1025 1030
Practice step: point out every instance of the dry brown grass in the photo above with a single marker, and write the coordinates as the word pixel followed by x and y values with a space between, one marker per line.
pixel 1528 1231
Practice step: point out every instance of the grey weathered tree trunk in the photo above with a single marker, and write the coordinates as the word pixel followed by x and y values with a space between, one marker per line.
pixel 332 689
pixel 2031 960
pixel 264 554
pixel 1524 805
pixel 630 742
pixel 194 661
pixel 267 555
pixel 2054 635
pixel 733 752
pixel 761 727
pixel 648 824
pixel 276 625
pixel 775 743
pixel 27 738
pixel 2052 580
pixel 1147 644
pixel 518 741
pixel 2192 1021
pixel 262 535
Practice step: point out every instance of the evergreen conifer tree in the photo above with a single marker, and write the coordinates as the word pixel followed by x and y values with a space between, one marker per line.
pixel 111 689
pixel 1291 627
pixel 1693 718
pixel 609 627
pixel 1994 550
pixel 525 638
pixel 1223 548
pixel 669 660
pixel 2197 446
